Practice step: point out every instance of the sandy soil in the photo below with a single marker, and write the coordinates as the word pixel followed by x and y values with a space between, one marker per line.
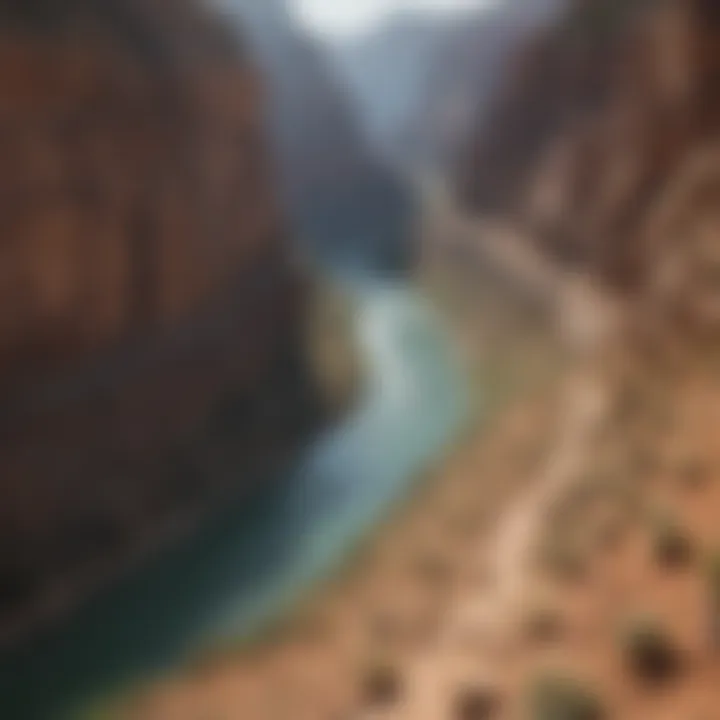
pixel 447 603
pixel 530 550
pixel 392 605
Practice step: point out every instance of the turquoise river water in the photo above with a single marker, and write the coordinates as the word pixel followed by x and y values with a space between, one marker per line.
pixel 249 566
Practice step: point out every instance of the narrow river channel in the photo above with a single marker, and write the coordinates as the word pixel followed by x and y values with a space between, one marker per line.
pixel 249 566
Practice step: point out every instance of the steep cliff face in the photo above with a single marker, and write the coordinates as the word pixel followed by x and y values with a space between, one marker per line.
pixel 385 69
pixel 148 306
pixel 558 77
pixel 604 141
pixel 338 192
pixel 463 74
pixel 134 186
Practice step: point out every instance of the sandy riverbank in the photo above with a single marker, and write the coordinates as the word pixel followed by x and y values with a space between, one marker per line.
pixel 389 603
pixel 537 556
pixel 388 606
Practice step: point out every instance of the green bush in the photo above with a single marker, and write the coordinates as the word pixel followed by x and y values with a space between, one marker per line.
pixel 476 703
pixel 561 698
pixel 649 651
pixel 382 684
pixel 670 544
pixel 544 624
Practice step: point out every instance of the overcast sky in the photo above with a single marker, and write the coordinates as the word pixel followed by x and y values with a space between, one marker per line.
pixel 350 16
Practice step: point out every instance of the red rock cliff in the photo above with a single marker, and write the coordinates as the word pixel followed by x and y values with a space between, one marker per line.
pixel 146 296
pixel 604 140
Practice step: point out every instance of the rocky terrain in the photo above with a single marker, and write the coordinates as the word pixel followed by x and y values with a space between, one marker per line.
pixel 150 311
pixel 603 143
pixel 462 77
pixel 562 562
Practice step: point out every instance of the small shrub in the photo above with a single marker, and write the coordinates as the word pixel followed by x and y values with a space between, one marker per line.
pixel 476 703
pixel 382 685
pixel 713 586
pixel 650 653
pixel 544 624
pixel 560 698
pixel 670 544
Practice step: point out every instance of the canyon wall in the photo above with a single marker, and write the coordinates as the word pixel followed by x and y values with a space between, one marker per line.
pixel 344 199
pixel 462 74
pixel 150 312
pixel 603 140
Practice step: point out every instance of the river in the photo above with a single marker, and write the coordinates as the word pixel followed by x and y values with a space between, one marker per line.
pixel 246 568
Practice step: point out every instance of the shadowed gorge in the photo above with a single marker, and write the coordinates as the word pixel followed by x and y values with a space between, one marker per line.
pixel 348 203
pixel 149 299
pixel 359 359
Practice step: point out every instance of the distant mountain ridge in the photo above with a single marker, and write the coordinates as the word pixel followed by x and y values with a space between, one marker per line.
pixel 336 189
pixel 605 142
pixel 421 78
pixel 385 69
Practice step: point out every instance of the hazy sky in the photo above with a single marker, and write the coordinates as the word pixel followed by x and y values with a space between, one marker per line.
pixel 343 16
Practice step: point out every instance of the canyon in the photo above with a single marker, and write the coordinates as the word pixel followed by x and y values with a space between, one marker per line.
pixel 344 199
pixel 573 254
pixel 603 144
pixel 151 310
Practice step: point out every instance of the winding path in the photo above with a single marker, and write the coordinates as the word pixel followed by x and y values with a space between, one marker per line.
pixel 587 320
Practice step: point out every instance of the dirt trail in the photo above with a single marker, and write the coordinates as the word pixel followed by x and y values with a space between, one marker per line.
pixel 585 315
pixel 489 619
pixel 479 623
pixel 587 321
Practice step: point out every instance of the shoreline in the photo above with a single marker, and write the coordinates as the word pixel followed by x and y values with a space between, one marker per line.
pixel 368 590
pixel 391 320
pixel 446 482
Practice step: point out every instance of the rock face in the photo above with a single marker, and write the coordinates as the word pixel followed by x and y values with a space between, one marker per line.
pixel 148 307
pixel 341 196
pixel 462 76
pixel 386 68
pixel 423 76
pixel 604 141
